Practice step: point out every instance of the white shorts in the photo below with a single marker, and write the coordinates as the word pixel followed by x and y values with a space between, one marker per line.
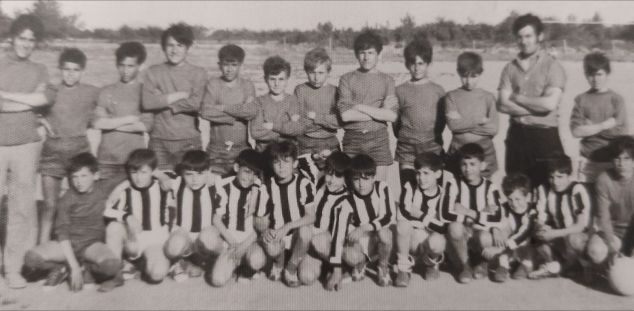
pixel 288 240
pixel 588 170
pixel 240 236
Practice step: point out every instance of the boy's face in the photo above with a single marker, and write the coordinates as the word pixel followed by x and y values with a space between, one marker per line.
pixel 318 76
pixel 142 177
pixel 528 40
pixel 24 44
pixel 277 83
pixel 230 69
pixel 368 58
pixel 624 165
pixel 471 169
pixel 363 184
pixel 283 167
pixel 470 81
pixel 174 51
pixel 71 73
pixel 334 183
pixel 427 178
pixel 418 70
pixel 518 200
pixel 128 69
pixel 195 180
pixel 83 180
pixel 559 181
pixel 598 80
pixel 245 175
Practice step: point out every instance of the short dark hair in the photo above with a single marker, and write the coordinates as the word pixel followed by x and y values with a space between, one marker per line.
pixel 316 57
pixel 181 32
pixel 72 55
pixel 275 65
pixel 528 20
pixel 27 21
pixel 420 47
pixel 231 53
pixel 516 181
pixel 469 63
pixel 362 165
pixel 337 163
pixel 471 151
pixel 193 160
pixel 367 40
pixel 622 144
pixel 428 160
pixel 139 158
pixel 594 62
pixel 561 164
pixel 281 150
pixel 82 160
pixel 251 159
pixel 131 49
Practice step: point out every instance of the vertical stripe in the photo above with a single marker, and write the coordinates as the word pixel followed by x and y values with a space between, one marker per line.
pixel 560 217
pixel 286 211
pixel 388 210
pixel 320 206
pixel 179 203
pixel 146 210
pixel 225 218
pixel 369 207
pixel 128 200
pixel 163 208
pixel 242 209
pixel 473 197
pixel 196 211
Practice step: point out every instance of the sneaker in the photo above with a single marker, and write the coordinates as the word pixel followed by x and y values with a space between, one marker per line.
pixel 130 271
pixel 431 272
pixel 291 278
pixel 358 273
pixel 383 276
pixel 402 279
pixel 542 273
pixel 194 271
pixel 481 270
pixel 111 284
pixel 55 277
pixel 501 274
pixel 178 271
pixel 276 273
pixel 521 272
pixel 466 275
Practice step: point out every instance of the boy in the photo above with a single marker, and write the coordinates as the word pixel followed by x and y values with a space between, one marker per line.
pixel 278 117
pixel 331 198
pixel 173 91
pixel 476 218
pixel 288 214
pixel 138 215
pixel 421 121
pixel 471 114
pixel 239 197
pixel 563 215
pixel 521 216
pixel 80 232
pixel 318 102
pixel 366 103
pixel 68 120
pixel 419 229
pixel 229 103
pixel 597 118
pixel 118 114
pixel 193 238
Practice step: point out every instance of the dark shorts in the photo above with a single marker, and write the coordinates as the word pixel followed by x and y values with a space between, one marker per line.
pixel 376 144
pixel 115 172
pixel 57 152
pixel 315 145
pixel 222 159
pixel 406 152
pixel 170 152
pixel 490 157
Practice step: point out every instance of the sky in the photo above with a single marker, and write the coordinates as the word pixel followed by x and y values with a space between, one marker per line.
pixel 262 15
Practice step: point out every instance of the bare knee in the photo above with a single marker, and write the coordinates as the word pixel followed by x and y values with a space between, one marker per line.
pixel 108 267
pixel 484 239
pixel 177 245
pixel 33 259
pixel 115 230
pixel 309 270
pixel 321 244
pixel 456 231
pixel 256 258
pixel 210 240
pixel 597 249
pixel 385 236
pixel 352 255
pixel 577 242
pixel 403 228
pixel 305 234
pixel 436 243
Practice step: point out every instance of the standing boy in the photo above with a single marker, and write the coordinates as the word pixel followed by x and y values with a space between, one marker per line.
pixel 366 103
pixel 597 118
pixel 173 91
pixel 69 119
pixel 471 114
pixel 421 121
pixel 119 115
pixel 229 104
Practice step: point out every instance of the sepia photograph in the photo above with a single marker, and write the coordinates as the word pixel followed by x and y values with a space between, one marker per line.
pixel 316 155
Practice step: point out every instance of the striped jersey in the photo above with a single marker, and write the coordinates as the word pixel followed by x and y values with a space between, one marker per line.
pixel 286 202
pixel 376 208
pixel 563 209
pixel 193 208
pixel 422 211
pixel 520 225
pixel 327 203
pixel 236 204
pixel 150 205
pixel 478 198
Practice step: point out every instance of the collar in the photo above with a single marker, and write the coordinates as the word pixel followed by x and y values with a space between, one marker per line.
pixel 286 183
pixel 237 184
pixel 533 59
pixel 143 188
pixel 342 191
pixel 431 196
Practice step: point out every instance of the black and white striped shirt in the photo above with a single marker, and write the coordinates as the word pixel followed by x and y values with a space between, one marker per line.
pixel 286 202
pixel 326 204
pixel 234 203
pixel 376 208
pixel 478 198
pixel 414 201
pixel 521 225
pixel 149 205
pixel 563 209
pixel 194 208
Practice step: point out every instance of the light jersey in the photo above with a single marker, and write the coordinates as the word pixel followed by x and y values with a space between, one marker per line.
pixel 287 202
pixel 150 205
pixel 327 205
pixel 563 209
pixel 414 201
pixel 193 208
pixel 234 203
pixel 478 198
pixel 520 225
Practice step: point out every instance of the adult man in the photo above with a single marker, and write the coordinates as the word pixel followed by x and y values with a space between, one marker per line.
pixel 530 90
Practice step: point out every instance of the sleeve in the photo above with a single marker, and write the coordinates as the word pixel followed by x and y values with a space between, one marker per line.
pixel 441 120
pixel 258 132
pixel 116 204
pixel 265 207
pixel 345 102
pixel 522 233
pixel 50 92
pixel 457 122
pixel 321 217
pixel 284 125
pixel 496 198
pixel 245 110
pixel 556 76
pixel 405 203
pixel 193 102
pixel 147 118
pixel 450 197
pixel 152 97
pixel 390 101
pixel 307 192
pixel 221 200
pixel 604 201
pixel 62 217
pixel 581 204
pixel 490 128
pixel 103 102
pixel 209 110
pixel 620 115
pixel 577 116
pixel 505 79
pixel 387 214
pixel 432 220
pixel 339 233
pixel 329 120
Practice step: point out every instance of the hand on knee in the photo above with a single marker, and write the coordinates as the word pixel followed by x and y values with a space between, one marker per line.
pixel 385 236
pixel 210 241
pixel 403 228
pixel 309 270
pixel 597 250
pixel 436 244
pixel 177 245
pixel 353 255
pixel 305 234
pixel 456 231
pixel 321 244
pixel 484 239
